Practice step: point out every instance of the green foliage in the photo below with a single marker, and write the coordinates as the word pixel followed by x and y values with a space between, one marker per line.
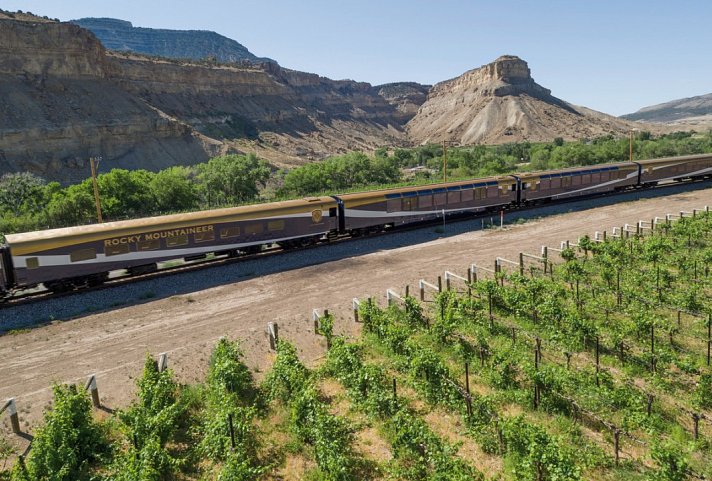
pixel 326 327
pixel 157 408
pixel 68 442
pixel 671 461
pixel 539 456
pixel 174 189
pixel 21 192
pixel 702 396
pixel 341 173
pixel 149 463
pixel 232 179
pixel 329 435
pixel 150 423
pixel 227 373
pixel 230 388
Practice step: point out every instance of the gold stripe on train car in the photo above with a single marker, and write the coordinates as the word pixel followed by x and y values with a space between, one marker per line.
pixel 21 244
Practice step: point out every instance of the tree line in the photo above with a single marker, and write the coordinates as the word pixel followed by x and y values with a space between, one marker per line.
pixel 28 202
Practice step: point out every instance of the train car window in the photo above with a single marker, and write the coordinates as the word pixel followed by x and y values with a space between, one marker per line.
pixel 275 225
pixel 116 250
pixel 565 181
pixel 556 183
pixel 595 178
pixel 439 199
pixel 179 240
pixel 408 203
pixel 149 245
pixel 204 236
pixel 605 176
pixel 453 197
pixel 467 195
pixel 425 201
pixel 229 232
pixel 32 262
pixel 544 184
pixel 586 179
pixel 393 205
pixel 576 180
pixel 254 229
pixel 82 255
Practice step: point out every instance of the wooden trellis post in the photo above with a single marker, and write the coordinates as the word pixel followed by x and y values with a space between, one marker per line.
pixel 93 390
pixel 11 408
pixel 273 334
pixel 162 363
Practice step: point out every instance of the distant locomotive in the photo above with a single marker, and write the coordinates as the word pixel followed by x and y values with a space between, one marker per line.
pixel 73 257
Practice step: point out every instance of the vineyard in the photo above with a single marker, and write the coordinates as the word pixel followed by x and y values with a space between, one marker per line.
pixel 589 362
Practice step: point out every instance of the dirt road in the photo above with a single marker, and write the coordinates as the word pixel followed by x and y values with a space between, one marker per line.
pixel 114 344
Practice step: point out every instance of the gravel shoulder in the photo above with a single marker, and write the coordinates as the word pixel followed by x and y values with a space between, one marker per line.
pixel 184 315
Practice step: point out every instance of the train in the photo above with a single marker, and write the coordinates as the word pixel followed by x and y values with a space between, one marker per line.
pixel 75 257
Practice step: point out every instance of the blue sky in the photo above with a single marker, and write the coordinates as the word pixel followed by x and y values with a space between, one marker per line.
pixel 612 56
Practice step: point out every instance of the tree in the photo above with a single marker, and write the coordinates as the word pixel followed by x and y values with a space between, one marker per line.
pixel 173 190
pixel 21 192
pixel 125 194
pixel 232 179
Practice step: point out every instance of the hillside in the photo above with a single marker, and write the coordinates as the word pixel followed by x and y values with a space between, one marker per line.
pixel 500 102
pixel 688 111
pixel 121 35
pixel 67 98
pixel 60 107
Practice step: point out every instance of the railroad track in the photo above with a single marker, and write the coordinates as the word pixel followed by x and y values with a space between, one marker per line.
pixel 38 296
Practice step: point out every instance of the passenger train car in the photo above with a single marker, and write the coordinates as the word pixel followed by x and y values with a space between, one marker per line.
pixel 64 259
pixel 71 257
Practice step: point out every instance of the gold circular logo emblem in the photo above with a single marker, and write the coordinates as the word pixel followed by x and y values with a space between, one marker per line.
pixel 316 216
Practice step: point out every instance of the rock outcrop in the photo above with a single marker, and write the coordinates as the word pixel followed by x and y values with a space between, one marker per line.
pixel 688 112
pixel 500 102
pixel 121 35
pixel 66 98
pixel 61 107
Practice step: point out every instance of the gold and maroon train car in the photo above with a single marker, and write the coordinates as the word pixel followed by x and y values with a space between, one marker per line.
pixel 575 182
pixel 365 211
pixel 675 168
pixel 67 257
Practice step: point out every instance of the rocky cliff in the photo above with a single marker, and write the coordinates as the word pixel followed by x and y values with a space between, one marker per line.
pixel 688 112
pixel 60 107
pixel 67 98
pixel 121 35
pixel 500 102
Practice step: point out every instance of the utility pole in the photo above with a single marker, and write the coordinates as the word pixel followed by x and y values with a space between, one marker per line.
pixel 445 145
pixel 630 137
pixel 96 187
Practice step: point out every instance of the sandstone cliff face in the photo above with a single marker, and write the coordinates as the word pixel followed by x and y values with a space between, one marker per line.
pixel 60 107
pixel 688 113
pixel 121 35
pixel 288 116
pixel 500 102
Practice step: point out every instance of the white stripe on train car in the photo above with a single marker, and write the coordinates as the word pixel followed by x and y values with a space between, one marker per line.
pixel 686 174
pixel 596 186
pixel 409 213
pixel 64 260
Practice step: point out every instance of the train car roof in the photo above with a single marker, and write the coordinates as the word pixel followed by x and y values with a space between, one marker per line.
pixel 684 158
pixel 431 188
pixel 171 221
pixel 586 169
